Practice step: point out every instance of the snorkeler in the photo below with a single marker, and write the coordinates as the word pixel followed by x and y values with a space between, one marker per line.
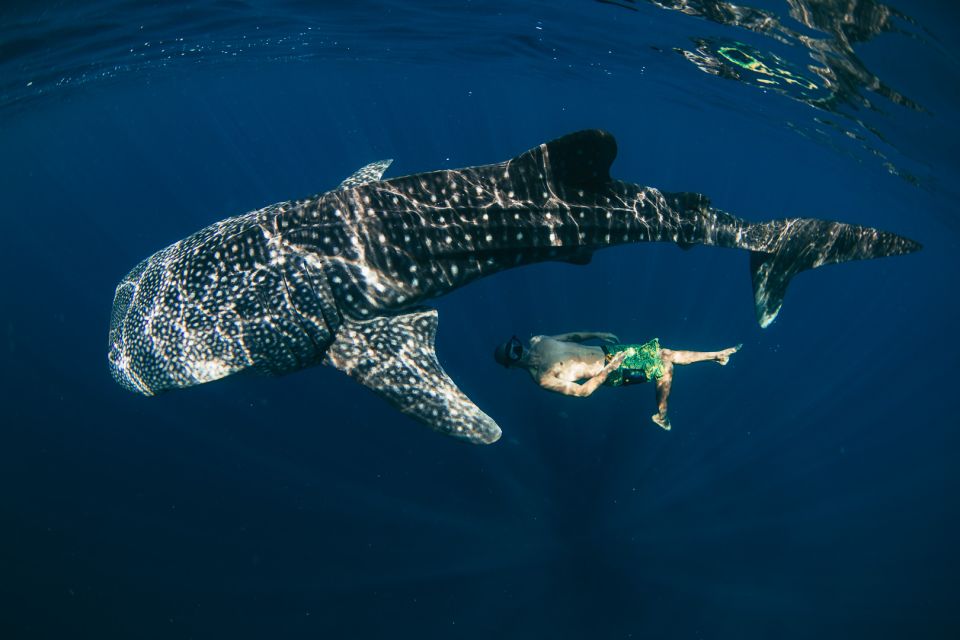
pixel 560 363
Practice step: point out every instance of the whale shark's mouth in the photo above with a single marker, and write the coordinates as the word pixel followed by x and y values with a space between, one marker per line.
pixel 120 367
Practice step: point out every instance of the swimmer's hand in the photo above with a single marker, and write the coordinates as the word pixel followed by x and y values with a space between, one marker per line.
pixel 612 366
pixel 618 359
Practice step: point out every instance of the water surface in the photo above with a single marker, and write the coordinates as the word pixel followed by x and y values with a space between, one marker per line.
pixel 808 488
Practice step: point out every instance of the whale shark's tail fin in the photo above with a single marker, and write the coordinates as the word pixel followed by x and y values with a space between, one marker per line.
pixel 804 243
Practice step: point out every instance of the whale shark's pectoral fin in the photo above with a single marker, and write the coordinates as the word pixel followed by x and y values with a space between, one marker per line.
pixel 373 172
pixel 395 357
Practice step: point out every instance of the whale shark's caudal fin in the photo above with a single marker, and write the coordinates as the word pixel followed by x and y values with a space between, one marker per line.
pixel 802 243
pixel 394 356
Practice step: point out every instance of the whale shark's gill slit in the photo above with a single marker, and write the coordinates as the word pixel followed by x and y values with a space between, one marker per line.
pixel 297 317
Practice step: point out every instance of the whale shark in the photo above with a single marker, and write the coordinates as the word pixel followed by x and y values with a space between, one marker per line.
pixel 341 278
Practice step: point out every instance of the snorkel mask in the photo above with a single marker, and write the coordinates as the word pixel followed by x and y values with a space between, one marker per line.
pixel 509 353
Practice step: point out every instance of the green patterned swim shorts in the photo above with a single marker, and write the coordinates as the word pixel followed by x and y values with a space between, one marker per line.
pixel 646 364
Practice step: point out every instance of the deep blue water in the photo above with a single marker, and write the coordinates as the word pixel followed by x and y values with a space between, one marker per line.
pixel 807 489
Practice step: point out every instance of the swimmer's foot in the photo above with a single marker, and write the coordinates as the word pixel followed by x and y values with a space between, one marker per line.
pixel 724 356
pixel 661 421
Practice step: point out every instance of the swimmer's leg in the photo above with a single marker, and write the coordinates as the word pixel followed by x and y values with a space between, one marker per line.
pixel 663 392
pixel 689 357
pixel 671 357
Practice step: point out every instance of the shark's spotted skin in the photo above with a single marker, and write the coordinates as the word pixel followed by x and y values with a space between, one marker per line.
pixel 225 299
pixel 370 173
pixel 395 357
pixel 339 277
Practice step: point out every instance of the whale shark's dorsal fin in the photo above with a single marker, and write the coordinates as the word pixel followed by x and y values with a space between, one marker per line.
pixel 581 159
pixel 370 173
pixel 395 357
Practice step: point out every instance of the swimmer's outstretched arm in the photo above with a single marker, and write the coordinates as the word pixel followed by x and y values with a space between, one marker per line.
pixel 551 382
pixel 583 336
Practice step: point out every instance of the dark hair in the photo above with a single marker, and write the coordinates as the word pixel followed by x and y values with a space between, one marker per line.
pixel 509 353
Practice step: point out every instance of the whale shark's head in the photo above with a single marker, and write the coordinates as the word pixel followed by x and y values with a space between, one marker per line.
pixel 132 361
pixel 122 344
pixel 157 337
pixel 216 303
